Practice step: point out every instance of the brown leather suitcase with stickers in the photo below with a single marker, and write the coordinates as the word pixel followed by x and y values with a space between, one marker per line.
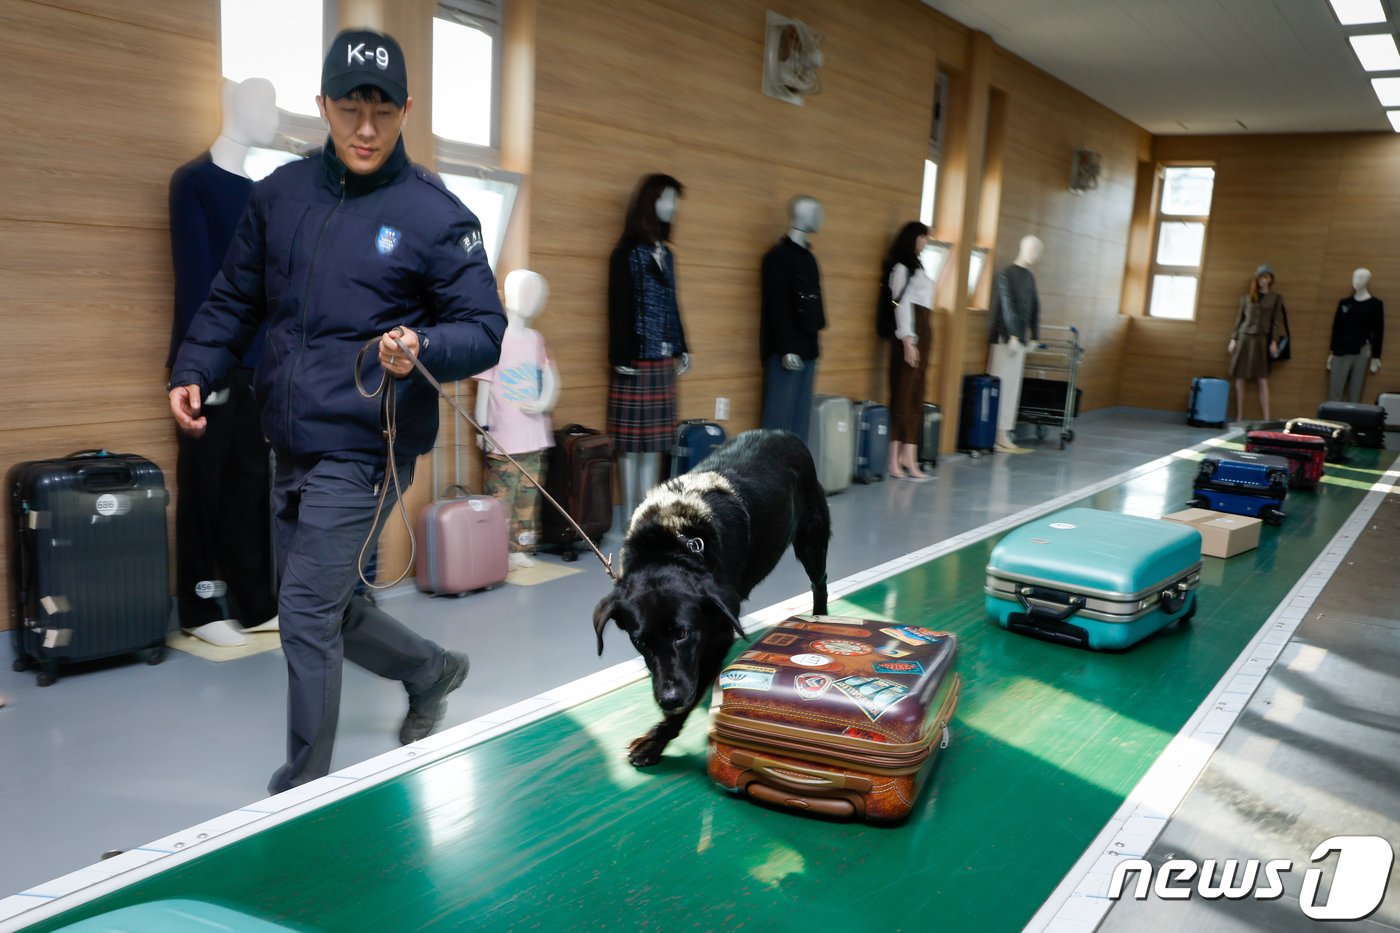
pixel 836 716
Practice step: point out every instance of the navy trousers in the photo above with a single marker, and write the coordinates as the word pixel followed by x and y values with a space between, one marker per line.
pixel 787 396
pixel 323 511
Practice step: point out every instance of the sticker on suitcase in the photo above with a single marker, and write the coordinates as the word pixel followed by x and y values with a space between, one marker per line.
pixel 810 660
pixel 842 649
pixel 865 735
pixel 874 695
pixel 779 640
pixel 915 635
pixel 809 686
pixel 897 667
pixel 888 652
pixel 747 677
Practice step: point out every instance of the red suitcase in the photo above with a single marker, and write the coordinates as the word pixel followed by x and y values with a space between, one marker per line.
pixel 463 545
pixel 1306 454
pixel 840 717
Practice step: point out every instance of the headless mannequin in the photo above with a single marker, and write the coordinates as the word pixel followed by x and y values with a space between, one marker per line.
pixel 213 500
pixel 641 470
pixel 1349 369
pixel 792 316
pixel 526 293
pixel 1007 358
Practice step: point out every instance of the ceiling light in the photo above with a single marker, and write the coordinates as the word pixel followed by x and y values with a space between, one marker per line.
pixel 1357 12
pixel 1378 52
pixel 1388 90
pixel 1394 119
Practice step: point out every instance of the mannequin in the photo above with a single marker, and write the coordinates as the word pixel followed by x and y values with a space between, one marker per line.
pixel 1357 331
pixel 1015 320
pixel 1253 345
pixel 646 339
pixel 221 515
pixel 513 402
pixel 792 316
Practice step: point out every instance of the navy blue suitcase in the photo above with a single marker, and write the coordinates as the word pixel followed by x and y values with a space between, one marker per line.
pixel 1209 400
pixel 695 439
pixel 89 571
pixel 981 399
pixel 872 441
pixel 1243 484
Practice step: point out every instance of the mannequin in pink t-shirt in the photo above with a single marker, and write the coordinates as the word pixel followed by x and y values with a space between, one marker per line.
pixel 513 403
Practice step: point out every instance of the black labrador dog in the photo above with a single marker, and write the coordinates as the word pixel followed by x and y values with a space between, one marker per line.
pixel 696 547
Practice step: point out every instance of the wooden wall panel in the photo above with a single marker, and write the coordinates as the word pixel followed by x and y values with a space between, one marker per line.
pixel 1315 207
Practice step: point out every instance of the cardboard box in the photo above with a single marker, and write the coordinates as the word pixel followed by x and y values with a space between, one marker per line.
pixel 1222 535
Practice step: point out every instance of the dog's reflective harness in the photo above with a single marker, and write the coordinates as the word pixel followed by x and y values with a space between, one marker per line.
pixel 696 545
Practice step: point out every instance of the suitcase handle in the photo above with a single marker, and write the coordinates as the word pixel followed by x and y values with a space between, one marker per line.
pixel 839 807
pixel 1044 603
pixel 799 776
pixel 106 476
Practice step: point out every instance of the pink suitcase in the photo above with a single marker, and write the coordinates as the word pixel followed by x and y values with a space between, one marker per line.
pixel 462 545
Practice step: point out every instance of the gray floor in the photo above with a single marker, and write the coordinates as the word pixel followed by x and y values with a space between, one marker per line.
pixel 1315 754
pixel 116 757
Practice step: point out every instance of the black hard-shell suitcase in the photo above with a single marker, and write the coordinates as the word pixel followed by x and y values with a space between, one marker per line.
pixel 930 434
pixel 579 475
pixel 1337 435
pixel 1367 421
pixel 89 570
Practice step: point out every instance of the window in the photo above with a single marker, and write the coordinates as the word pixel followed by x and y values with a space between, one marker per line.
pixel 466 114
pixel 929 198
pixel 926 203
pixel 1179 241
pixel 279 40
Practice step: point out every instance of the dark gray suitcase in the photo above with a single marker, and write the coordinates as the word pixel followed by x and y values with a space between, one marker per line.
pixel 930 434
pixel 88 560
pixel 1367 421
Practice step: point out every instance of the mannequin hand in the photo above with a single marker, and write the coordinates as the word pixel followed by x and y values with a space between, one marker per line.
pixel 1231 347
pixel 391 357
pixel 683 366
pixel 184 405
pixel 624 370
pixel 537 407
pixel 1375 366
pixel 911 353
pixel 1273 349
pixel 1329 363
pixel 792 363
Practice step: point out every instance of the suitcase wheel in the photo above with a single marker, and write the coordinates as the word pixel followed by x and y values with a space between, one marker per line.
pixel 1198 502
pixel 155 655
pixel 1040 432
pixel 20 665
pixel 46 677
pixel 1271 515
pixel 570 555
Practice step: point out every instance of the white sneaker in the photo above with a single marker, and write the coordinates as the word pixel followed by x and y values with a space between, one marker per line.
pixel 520 561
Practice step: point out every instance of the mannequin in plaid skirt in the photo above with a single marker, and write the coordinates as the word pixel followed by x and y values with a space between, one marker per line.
pixel 646 340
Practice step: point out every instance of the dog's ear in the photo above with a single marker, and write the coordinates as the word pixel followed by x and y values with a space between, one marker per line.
pixel 602 613
pixel 716 598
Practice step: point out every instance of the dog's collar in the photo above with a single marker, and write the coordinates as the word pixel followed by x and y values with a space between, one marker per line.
pixel 696 545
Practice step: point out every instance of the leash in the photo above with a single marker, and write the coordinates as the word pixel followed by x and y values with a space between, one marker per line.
pixel 391 432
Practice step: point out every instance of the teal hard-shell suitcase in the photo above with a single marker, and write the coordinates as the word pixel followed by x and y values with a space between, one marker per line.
pixel 1095 579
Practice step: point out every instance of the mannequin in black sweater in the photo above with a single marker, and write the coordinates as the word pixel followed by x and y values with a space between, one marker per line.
pixel 792 317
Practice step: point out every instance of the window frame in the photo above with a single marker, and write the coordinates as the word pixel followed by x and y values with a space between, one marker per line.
pixel 485 15
pixel 1154 268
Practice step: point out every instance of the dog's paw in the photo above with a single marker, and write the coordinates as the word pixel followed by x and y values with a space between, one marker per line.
pixel 645 751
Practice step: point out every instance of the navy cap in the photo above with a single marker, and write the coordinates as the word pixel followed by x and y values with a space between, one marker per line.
pixel 361 56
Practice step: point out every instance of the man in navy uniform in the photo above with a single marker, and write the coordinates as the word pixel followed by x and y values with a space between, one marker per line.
pixel 333 252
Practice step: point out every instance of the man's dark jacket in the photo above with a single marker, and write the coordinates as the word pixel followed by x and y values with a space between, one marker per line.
pixel 331 259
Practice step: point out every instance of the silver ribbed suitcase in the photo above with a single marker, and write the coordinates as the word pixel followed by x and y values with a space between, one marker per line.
pixel 832 438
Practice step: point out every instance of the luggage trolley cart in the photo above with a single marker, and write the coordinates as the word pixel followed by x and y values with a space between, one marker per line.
pixel 1054 401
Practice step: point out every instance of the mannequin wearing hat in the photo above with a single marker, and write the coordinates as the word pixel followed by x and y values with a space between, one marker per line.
pixel 791 318
pixel 221 514
pixel 1015 321
pixel 1254 343
pixel 1357 330
pixel 513 402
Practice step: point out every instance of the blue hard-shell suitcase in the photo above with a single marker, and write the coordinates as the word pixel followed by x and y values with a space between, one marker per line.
pixel 89 571
pixel 872 441
pixel 1243 483
pixel 1209 400
pixel 1093 579
pixel 695 439
pixel 981 398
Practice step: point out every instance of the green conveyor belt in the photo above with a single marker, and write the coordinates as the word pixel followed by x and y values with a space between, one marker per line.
pixel 548 828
